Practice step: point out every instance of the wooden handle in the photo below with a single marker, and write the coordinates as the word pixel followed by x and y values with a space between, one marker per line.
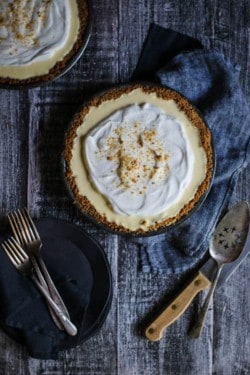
pixel 172 312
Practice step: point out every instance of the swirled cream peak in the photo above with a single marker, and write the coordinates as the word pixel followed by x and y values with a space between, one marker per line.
pixel 35 34
pixel 140 159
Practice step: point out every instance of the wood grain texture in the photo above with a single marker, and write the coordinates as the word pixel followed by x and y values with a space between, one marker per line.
pixel 32 128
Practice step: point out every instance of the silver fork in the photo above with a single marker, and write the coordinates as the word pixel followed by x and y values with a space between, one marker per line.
pixel 27 235
pixel 22 263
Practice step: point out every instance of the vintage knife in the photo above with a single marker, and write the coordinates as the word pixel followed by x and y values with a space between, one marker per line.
pixel 202 280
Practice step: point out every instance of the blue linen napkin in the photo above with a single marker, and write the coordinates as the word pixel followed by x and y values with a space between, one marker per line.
pixel 212 84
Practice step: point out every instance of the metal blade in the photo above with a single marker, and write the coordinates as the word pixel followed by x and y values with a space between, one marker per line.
pixel 229 268
pixel 232 230
pixel 209 268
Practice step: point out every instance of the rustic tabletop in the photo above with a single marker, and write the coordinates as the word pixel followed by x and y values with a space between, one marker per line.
pixel 33 123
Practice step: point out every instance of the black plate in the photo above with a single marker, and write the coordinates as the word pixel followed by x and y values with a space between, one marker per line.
pixel 52 232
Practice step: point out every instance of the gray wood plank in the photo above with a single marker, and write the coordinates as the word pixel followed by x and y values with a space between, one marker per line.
pixel 51 110
pixel 140 297
pixel 14 130
pixel 32 126
pixel 231 319
pixel 211 22
pixel 98 66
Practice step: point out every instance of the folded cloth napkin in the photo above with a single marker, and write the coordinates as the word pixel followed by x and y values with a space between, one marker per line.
pixel 160 47
pixel 212 85
pixel 23 312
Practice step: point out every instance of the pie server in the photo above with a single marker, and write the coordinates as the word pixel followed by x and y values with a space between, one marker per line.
pixel 202 280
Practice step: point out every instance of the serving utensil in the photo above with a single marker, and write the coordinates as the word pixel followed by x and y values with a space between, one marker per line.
pixel 238 218
pixel 20 259
pixel 26 234
pixel 226 244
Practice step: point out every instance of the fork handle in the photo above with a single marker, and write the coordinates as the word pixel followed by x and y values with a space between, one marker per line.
pixel 44 284
pixel 69 327
pixel 52 288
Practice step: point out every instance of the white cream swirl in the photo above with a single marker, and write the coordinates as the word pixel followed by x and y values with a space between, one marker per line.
pixel 140 159
pixel 35 35
pixel 32 30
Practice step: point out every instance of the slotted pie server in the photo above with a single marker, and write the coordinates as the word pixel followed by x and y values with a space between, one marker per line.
pixel 231 232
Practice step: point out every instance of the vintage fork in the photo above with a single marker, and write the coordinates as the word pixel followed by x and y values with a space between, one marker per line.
pixel 22 263
pixel 26 234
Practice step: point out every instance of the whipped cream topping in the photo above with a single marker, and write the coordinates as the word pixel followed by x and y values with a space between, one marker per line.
pixel 140 159
pixel 35 31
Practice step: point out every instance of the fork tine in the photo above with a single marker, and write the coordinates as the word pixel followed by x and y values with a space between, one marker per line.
pixel 31 222
pixel 16 253
pixel 18 248
pixel 24 225
pixel 10 254
pixel 21 230
pixel 15 227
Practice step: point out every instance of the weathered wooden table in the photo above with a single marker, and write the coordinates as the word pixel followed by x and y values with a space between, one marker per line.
pixel 33 124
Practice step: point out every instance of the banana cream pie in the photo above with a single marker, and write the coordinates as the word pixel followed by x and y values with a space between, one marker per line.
pixel 38 38
pixel 138 158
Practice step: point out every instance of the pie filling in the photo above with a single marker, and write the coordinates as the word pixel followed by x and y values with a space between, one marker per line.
pixel 138 159
pixel 35 35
